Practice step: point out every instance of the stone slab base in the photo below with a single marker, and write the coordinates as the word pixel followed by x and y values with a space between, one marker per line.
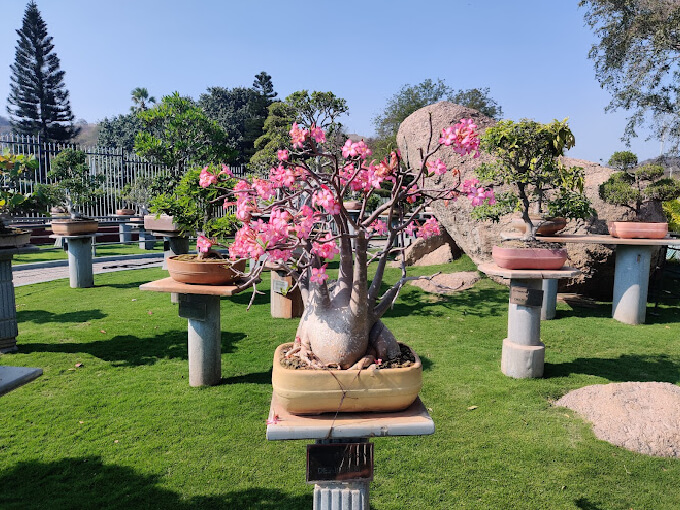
pixel 522 361
pixel 13 377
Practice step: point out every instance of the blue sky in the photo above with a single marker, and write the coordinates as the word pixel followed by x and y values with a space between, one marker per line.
pixel 531 53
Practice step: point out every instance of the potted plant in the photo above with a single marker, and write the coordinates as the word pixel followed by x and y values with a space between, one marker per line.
pixel 74 187
pixel 341 330
pixel 539 186
pixel 633 187
pixel 195 209
pixel 12 167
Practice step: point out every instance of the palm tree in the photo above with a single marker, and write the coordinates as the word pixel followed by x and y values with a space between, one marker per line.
pixel 140 98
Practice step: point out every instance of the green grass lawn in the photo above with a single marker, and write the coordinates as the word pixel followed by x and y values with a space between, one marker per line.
pixel 125 430
pixel 46 253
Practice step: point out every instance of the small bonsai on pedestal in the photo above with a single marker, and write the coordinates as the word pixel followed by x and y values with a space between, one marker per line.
pixel 75 185
pixel 12 167
pixel 633 186
pixel 527 159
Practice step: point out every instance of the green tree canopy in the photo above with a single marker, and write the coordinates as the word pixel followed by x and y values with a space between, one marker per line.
pixel 637 59
pixel 119 131
pixel 178 133
pixel 319 108
pixel 623 160
pixel 38 101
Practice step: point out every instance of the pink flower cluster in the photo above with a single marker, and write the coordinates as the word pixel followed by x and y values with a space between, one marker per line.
pixel 429 229
pixel 206 178
pixel 325 198
pixel 327 249
pixel 203 244
pixel 298 135
pixel 354 149
pixel 319 274
pixel 462 138
pixel 437 166
pixel 478 195
pixel 379 227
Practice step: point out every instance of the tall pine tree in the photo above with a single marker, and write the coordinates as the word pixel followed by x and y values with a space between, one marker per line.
pixel 38 100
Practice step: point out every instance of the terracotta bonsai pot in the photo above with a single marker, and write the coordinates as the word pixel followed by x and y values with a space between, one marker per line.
pixel 72 227
pixel 125 212
pixel 163 223
pixel 352 205
pixel 529 258
pixel 204 272
pixel 637 229
pixel 548 226
pixel 16 239
pixel 302 391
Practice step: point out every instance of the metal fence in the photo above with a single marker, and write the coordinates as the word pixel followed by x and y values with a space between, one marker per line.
pixel 118 167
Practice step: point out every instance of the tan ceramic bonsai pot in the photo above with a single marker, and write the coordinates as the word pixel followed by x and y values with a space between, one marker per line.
pixel 529 258
pixel 125 212
pixel 548 226
pixel 204 272
pixel 69 227
pixel 319 391
pixel 16 239
pixel 163 223
pixel 638 229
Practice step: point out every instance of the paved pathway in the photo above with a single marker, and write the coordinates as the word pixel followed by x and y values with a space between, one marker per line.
pixel 26 274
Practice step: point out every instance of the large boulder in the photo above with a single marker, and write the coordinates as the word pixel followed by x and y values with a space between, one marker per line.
pixel 477 238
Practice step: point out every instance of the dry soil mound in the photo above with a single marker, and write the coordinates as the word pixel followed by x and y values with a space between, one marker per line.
pixel 642 417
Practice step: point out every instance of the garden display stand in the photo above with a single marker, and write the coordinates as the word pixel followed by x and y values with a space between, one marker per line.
pixel 8 309
pixel 200 305
pixel 631 271
pixel 523 353
pixel 340 462
pixel 79 249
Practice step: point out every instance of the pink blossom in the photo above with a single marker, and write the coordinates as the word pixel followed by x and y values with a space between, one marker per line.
pixel 206 178
pixel 469 184
pixel 277 254
pixel 319 274
pixel 282 177
pixel 362 149
pixel 298 135
pixel 462 138
pixel 326 250
pixel 282 155
pixel 380 227
pixel 227 171
pixel 479 196
pixel 264 188
pixel 324 197
pixel 437 166
pixel 429 229
pixel 349 150
pixel 273 421
pixel 409 228
pixel 318 134
pixel 247 243
pixel 304 222
pixel 203 244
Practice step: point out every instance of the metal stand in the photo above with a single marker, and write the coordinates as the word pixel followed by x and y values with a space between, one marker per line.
pixel 342 482
pixel 8 308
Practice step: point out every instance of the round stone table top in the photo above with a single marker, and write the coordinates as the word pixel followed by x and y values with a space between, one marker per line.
pixel 529 274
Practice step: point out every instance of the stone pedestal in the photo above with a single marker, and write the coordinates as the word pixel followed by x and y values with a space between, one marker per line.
pixel 631 281
pixel 80 261
pixel 200 305
pixel 549 306
pixel 631 272
pixel 8 310
pixel 147 240
pixel 523 354
pixel 330 428
pixel 125 232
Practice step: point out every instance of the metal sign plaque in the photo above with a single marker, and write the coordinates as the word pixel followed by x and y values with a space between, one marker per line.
pixel 280 286
pixel 339 462
pixel 526 297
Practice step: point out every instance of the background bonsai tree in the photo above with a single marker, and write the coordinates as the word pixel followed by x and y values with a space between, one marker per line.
pixel 635 185
pixel 308 226
pixel 195 208
pixel 138 194
pixel 75 185
pixel 527 159
pixel 12 168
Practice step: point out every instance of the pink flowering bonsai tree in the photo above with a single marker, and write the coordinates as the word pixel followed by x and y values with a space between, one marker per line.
pixel 297 219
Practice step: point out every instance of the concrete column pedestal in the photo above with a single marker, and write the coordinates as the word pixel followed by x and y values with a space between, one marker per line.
pixel 8 309
pixel 549 307
pixel 80 261
pixel 124 232
pixel 631 281
pixel 523 352
pixel 204 336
